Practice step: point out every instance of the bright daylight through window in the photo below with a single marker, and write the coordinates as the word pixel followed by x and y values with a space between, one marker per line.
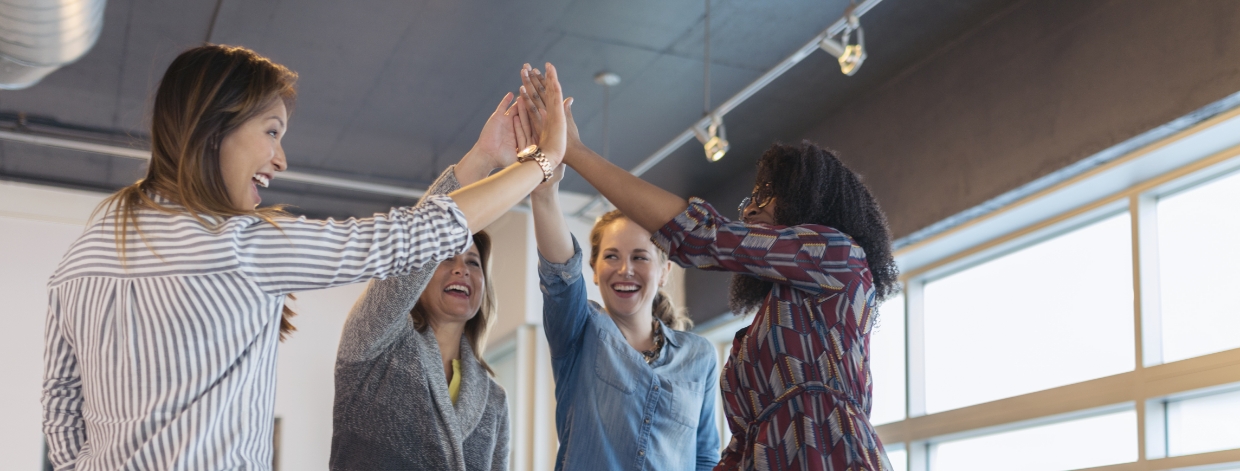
pixel 1203 424
pixel 887 362
pixel 1051 314
pixel 898 458
pixel 1199 269
pixel 1083 443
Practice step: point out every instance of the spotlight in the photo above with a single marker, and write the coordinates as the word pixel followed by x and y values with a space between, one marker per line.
pixel 714 138
pixel 850 54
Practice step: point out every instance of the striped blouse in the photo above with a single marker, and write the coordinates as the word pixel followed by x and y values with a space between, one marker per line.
pixel 169 361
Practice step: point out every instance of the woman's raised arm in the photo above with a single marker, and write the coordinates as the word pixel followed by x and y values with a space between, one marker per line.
pixel 646 204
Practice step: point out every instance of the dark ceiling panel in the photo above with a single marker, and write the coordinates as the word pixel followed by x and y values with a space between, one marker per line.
pixel 66 167
pixel 395 91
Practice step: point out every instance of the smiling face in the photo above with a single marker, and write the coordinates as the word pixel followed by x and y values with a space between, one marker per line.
pixel 761 207
pixel 455 291
pixel 251 155
pixel 628 269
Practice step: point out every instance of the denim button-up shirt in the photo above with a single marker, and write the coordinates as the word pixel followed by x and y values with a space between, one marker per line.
pixel 613 411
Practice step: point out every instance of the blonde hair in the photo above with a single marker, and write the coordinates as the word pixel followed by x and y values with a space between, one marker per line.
pixel 477 328
pixel 663 308
pixel 206 93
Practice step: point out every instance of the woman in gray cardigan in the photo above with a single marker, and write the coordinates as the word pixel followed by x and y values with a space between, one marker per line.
pixel 407 342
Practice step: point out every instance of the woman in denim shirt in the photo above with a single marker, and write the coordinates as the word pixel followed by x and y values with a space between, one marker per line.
pixel 632 392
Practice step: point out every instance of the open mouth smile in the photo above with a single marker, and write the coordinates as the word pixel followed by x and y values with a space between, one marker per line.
pixel 460 290
pixel 626 290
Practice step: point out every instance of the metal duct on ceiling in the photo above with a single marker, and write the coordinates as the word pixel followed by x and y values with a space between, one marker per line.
pixel 39 36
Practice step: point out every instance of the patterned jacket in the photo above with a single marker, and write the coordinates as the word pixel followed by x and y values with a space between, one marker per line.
pixel 796 387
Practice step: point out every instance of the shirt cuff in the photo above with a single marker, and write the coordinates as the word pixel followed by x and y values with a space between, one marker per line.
pixel 699 214
pixel 458 225
pixel 566 273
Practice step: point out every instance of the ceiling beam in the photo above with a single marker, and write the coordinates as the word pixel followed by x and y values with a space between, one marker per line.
pixel 140 154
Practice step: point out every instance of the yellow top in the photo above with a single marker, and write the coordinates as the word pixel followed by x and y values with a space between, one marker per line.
pixel 454 386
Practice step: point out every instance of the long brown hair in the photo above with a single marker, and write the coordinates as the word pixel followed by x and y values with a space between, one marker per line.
pixel 663 309
pixel 478 327
pixel 206 93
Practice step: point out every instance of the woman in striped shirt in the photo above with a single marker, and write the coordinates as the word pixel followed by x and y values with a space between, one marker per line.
pixel 164 317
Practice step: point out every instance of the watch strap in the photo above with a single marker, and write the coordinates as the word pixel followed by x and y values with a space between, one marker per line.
pixel 541 159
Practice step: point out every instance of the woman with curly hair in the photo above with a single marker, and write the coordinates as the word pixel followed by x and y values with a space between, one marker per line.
pixel 812 253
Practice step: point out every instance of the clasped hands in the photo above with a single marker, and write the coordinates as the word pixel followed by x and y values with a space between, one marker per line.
pixel 539 115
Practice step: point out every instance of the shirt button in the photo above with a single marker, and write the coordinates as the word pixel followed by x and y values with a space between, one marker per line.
pixel 641 453
pixel 647 419
pixel 656 387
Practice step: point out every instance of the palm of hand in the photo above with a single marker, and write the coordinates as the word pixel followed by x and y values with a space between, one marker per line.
pixel 498 141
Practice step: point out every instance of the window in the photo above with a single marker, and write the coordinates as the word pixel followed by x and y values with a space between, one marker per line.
pixel 1199 269
pixel 1053 313
pixel 1014 344
pixel 898 458
pixel 887 362
pixel 1095 441
pixel 1203 424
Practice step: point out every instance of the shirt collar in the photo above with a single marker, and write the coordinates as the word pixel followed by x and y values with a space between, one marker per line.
pixel 671 336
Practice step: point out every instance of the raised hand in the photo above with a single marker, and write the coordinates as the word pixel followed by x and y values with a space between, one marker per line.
pixel 496 146
pixel 523 124
pixel 574 143
pixel 547 111
pixel 552 185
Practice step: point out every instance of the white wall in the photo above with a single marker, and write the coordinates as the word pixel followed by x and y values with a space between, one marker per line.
pixel 37 224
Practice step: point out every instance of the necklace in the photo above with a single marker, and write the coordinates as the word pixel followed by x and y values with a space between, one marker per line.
pixel 653 354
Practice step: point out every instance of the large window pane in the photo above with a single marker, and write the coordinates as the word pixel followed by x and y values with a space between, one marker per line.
pixel 887 362
pixel 1199 269
pixel 898 459
pixel 1203 424
pixel 1096 441
pixel 1054 313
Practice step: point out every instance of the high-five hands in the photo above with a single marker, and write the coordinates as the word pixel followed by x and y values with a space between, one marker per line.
pixel 542 102
pixel 497 144
pixel 532 79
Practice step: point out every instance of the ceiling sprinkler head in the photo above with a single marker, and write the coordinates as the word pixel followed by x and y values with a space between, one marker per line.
pixel 608 79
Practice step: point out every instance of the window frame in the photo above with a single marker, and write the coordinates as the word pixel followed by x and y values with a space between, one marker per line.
pixel 1136 174
pixel 1152 384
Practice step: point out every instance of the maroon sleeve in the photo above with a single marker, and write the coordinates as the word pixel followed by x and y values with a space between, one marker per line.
pixel 809 257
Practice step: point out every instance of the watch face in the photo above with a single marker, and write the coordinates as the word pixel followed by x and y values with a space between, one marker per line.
pixel 528 150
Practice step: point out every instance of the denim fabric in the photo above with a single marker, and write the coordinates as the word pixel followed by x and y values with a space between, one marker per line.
pixel 613 411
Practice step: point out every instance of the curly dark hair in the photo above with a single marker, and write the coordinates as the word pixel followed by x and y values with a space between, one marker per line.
pixel 812 186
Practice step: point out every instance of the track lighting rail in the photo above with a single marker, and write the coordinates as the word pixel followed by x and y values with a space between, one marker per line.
pixel 839 26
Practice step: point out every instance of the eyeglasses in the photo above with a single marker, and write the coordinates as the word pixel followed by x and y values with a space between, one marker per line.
pixel 763 201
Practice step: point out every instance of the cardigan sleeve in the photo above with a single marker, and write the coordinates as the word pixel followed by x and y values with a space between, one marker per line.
pixel 381 313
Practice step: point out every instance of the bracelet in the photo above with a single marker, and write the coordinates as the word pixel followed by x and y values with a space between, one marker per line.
pixel 535 154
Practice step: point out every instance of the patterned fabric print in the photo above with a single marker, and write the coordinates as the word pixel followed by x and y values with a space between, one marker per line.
pixel 796 388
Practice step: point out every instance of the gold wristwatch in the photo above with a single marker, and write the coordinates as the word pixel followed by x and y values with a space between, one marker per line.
pixel 534 153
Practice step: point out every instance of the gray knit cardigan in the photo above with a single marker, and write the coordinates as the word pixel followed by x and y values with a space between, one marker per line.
pixel 392 409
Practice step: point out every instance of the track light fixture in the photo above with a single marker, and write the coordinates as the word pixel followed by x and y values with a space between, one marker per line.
pixel 850 54
pixel 714 138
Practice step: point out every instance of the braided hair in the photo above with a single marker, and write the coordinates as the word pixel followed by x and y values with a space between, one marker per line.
pixel 812 186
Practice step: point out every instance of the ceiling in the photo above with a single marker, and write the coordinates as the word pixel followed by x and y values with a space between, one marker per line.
pixel 393 92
